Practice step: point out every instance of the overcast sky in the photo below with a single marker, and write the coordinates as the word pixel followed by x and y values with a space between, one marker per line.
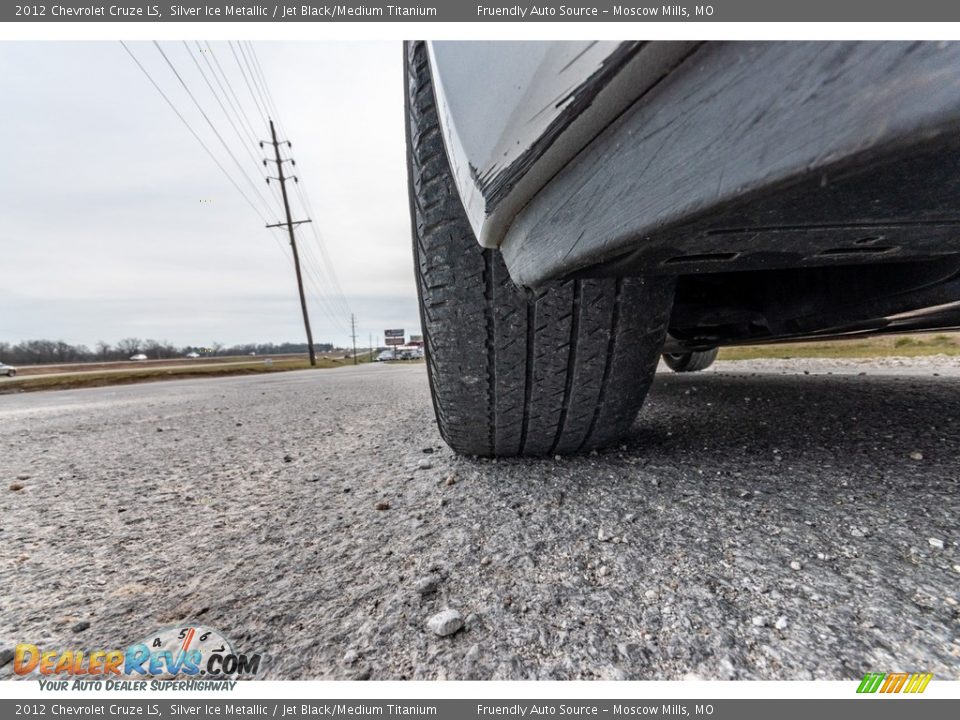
pixel 114 222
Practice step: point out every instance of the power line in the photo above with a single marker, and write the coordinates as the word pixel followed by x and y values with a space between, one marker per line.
pixel 266 88
pixel 226 114
pixel 317 295
pixel 253 78
pixel 263 111
pixel 192 131
pixel 319 274
pixel 237 110
pixel 240 108
pixel 212 126
pixel 321 246
pixel 325 264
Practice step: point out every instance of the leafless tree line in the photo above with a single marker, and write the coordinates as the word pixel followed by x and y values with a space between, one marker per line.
pixel 44 352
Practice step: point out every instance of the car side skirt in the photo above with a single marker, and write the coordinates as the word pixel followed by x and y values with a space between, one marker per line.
pixel 760 156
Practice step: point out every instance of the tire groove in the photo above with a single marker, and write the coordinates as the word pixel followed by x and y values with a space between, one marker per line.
pixel 489 296
pixel 608 361
pixel 571 364
pixel 528 370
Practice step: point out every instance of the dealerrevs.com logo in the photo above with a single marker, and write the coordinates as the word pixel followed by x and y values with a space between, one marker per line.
pixel 172 653
pixel 911 683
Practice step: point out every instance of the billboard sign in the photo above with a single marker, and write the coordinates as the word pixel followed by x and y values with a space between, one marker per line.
pixel 393 337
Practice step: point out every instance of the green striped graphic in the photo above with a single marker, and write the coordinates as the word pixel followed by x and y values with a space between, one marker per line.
pixel 871 682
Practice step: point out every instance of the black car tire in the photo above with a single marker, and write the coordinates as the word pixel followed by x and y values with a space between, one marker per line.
pixel 560 370
pixel 11 373
pixel 691 361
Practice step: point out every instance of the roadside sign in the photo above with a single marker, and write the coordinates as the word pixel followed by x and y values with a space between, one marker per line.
pixel 393 337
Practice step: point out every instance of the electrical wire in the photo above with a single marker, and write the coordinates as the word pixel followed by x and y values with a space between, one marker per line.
pixel 193 132
pixel 264 90
pixel 319 274
pixel 212 126
pixel 264 112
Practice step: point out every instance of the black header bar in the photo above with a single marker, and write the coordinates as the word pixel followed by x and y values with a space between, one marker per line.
pixel 856 11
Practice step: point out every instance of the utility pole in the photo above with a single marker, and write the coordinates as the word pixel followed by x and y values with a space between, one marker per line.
pixel 370 340
pixel 289 225
pixel 353 334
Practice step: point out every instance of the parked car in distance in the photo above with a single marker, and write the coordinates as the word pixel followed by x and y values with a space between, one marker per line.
pixel 192 355
pixel 581 210
pixel 138 356
pixel 7 370
pixel 386 355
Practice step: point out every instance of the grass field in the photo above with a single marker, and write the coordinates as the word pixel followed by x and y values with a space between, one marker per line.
pixel 63 378
pixel 874 347
pixel 97 378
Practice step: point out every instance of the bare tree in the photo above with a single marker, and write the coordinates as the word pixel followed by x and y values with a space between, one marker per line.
pixel 129 346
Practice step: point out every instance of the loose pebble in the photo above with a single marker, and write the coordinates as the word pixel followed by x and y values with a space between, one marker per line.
pixel 446 622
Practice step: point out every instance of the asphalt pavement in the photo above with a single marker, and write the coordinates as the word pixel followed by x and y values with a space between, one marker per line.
pixel 758 523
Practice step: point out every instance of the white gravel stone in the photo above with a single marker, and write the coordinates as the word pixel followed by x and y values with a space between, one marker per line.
pixel 424 464
pixel 446 622
pixel 759 621
pixel 935 542
pixel 781 623
pixel 915 455
pixel 795 565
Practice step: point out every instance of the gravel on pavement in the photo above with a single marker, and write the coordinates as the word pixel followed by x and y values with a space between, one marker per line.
pixel 754 525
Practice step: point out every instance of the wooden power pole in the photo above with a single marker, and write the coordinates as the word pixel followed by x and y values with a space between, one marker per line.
pixel 353 334
pixel 289 225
